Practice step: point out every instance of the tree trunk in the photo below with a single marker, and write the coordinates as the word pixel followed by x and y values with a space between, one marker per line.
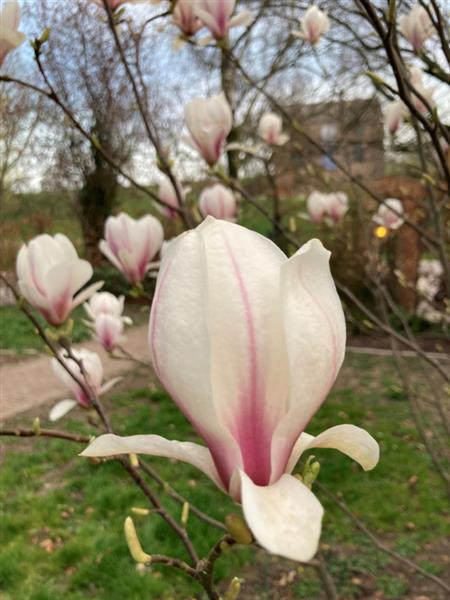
pixel 95 202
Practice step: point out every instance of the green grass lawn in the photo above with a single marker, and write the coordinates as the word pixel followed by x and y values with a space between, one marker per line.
pixel 62 522
pixel 17 334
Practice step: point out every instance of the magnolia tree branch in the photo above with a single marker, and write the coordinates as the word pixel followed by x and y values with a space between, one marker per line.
pixel 152 135
pixel 51 433
pixel 201 570
pixel 295 125
pixel 376 541
pixel 52 95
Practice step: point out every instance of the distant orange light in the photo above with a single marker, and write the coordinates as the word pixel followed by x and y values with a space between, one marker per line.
pixel 381 232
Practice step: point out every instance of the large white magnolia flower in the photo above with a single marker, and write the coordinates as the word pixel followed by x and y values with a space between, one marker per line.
pixel 248 343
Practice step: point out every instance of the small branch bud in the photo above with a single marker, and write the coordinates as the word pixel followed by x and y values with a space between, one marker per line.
pixel 185 514
pixel 238 529
pixel 134 460
pixel 133 542
pixel 234 589
pixel 37 426
pixel 142 512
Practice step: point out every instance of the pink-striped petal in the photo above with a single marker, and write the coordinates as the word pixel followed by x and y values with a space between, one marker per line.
pixel 314 333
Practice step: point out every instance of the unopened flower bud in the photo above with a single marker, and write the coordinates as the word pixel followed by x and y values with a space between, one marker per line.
pixel 238 529
pixel 142 512
pixel 133 542
pixel 37 426
pixel 234 589
pixel 134 460
pixel 185 514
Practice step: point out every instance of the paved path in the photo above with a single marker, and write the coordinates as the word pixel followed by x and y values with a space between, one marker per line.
pixel 30 382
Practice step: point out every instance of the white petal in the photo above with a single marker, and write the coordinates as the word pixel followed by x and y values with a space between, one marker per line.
pixel 314 332
pixel 247 353
pixel 87 293
pixel 108 253
pixel 353 441
pixel 284 517
pixel 242 19
pixel 61 408
pixel 179 343
pixel 155 445
pixel 110 384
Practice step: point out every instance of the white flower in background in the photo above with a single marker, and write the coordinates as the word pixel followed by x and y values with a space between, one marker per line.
pixel 416 26
pixel 10 38
pixel 218 201
pixel 314 24
pixel 106 303
pixel 394 115
pixel 184 17
pixel 216 16
pixel 50 274
pixel 168 195
pixel 389 214
pixel 249 343
pixel 327 207
pixel 416 79
pixel 209 121
pixel 316 205
pixel 337 206
pixel 92 365
pixel 428 286
pixel 131 244
pixel 106 310
pixel 270 129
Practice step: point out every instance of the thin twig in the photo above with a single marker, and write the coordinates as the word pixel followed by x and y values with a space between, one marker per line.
pixel 377 542
pixel 52 433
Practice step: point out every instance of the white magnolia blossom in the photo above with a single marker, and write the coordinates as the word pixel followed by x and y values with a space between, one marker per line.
pixel 416 79
pixel 428 286
pixel 389 214
pixel 314 24
pixel 270 129
pixel 10 38
pixel 92 366
pixel 416 26
pixel 218 201
pixel 50 274
pixel 394 115
pixel 105 311
pixel 216 15
pixel 184 17
pixel 105 303
pixel 248 343
pixel 209 121
pixel 327 207
pixel 130 244
pixel 168 195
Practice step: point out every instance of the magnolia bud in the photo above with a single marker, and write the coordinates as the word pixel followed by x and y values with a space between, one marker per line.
pixel 37 426
pixel 142 512
pixel 134 460
pixel 238 529
pixel 234 589
pixel 185 514
pixel 133 542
